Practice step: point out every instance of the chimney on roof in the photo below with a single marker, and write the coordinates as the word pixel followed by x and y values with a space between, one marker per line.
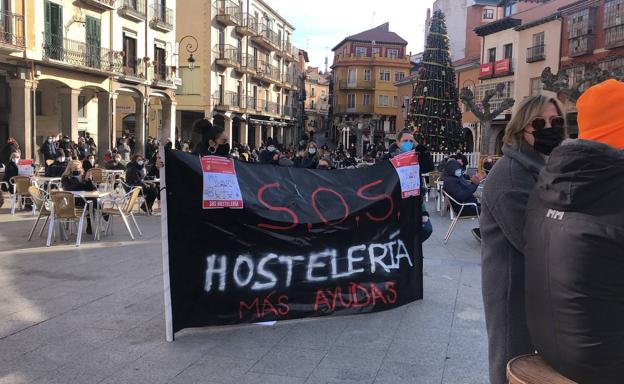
pixel 385 27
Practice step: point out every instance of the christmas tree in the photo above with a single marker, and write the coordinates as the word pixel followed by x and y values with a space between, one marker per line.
pixel 434 115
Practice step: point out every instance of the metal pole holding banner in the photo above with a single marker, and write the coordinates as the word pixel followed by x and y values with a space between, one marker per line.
pixel 165 246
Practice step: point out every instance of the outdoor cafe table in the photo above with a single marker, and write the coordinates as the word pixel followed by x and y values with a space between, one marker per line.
pixel 91 196
pixel 41 180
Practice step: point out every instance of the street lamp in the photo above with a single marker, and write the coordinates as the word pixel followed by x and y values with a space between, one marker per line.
pixel 191 48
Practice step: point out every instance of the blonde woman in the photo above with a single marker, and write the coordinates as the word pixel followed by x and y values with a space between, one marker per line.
pixel 537 127
pixel 75 179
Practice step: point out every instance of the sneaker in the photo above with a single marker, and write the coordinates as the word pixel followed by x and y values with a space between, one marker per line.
pixel 476 232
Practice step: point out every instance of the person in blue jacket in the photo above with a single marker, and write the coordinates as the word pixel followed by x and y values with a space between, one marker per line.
pixel 462 190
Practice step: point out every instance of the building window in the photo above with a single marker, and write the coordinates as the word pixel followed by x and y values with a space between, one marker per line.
pixel 130 55
pixel 376 51
pixel 614 13
pixel 496 101
pixel 81 106
pixel 575 74
pixel 383 100
pixel 491 55
pixel 160 67
pixel 510 9
pixel 312 93
pixel 611 64
pixel 322 93
pixel 384 75
pixel 398 76
pixel 350 100
pixel 488 14
pixel 392 53
pixel 395 101
pixel 614 37
pixel 508 51
pixel 366 100
pixel 351 76
pixel 406 101
pixel 367 75
pixel 581 23
pixel 361 51
pixel 536 86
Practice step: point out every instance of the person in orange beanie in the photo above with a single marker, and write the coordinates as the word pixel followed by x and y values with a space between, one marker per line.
pixel 574 250
pixel 601 114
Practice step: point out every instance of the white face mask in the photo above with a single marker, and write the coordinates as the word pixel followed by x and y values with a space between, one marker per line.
pixel 16 160
pixel 92 161
pixel 271 148
pixel 312 151
pixel 117 159
pixel 141 162
pixel 60 159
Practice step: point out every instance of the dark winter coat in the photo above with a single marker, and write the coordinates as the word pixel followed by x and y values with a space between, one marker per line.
pixel 135 174
pixel 55 170
pixel 10 171
pixel 71 183
pixel 458 188
pixel 503 209
pixel 48 150
pixel 574 258
pixel 309 162
pixel 111 165
pixel 425 161
pixel 7 150
pixel 83 151
pixel 86 165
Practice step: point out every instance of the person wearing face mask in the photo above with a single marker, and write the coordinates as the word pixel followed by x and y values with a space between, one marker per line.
pixel 462 190
pixel 75 179
pixel 88 163
pixel 115 164
pixel 48 149
pixel 214 140
pixel 58 167
pixel 135 177
pixel 574 242
pixel 11 169
pixel 537 127
pixel 269 155
pixel 82 149
pixel 310 157
pixel 405 142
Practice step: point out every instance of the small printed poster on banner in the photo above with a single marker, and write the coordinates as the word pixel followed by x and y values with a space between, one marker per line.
pixel 25 168
pixel 221 189
pixel 408 169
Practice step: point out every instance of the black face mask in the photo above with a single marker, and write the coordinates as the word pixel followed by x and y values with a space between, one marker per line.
pixel 222 150
pixel 546 140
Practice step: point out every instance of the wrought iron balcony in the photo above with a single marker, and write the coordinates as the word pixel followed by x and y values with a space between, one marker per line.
pixel 272 108
pixel 356 84
pixel 248 25
pixel 77 53
pixel 267 38
pixel 133 69
pixel 161 18
pixel 353 109
pixel 101 4
pixel 227 101
pixel 11 32
pixel 228 13
pixel 227 55
pixel 267 72
pixel 536 53
pixel 580 46
pixel 132 9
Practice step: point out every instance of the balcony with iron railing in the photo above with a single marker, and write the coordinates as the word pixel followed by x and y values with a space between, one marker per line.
pixel 614 37
pixel 132 9
pixel 228 13
pixel 227 56
pixel 267 38
pixel 133 69
pixel 248 25
pixel 536 53
pixel 162 75
pixel 579 46
pixel 80 54
pixel 161 18
pixel 11 32
pixel 268 73
pixel 271 108
pixel 353 109
pixel 101 4
pixel 350 59
pixel 227 101
pixel 356 84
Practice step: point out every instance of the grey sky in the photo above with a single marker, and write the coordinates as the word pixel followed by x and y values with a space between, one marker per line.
pixel 322 24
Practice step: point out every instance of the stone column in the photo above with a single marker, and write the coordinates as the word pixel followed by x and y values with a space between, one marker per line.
pixel 280 135
pixel 69 112
pixel 243 133
pixel 258 137
pixel 270 132
pixel 140 128
pixel 105 117
pixel 21 121
pixel 168 123
pixel 227 121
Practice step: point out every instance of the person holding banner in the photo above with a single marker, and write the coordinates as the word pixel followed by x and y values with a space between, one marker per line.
pixel 214 140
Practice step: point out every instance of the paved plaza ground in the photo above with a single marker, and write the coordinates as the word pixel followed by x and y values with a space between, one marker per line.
pixel 94 314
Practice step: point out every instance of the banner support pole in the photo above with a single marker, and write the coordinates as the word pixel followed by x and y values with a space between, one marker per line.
pixel 165 248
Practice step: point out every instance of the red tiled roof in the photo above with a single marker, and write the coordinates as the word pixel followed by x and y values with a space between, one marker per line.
pixel 380 34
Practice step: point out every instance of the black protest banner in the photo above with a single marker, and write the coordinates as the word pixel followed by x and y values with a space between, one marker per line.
pixel 307 243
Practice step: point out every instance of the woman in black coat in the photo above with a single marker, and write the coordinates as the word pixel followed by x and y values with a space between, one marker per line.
pixel 135 175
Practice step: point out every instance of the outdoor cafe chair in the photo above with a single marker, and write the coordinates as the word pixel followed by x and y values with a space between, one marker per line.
pixel 456 216
pixel 42 203
pixel 20 192
pixel 64 211
pixel 141 200
pixel 122 207
pixel 97 176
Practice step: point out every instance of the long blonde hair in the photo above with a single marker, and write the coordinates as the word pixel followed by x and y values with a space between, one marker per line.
pixel 528 110
pixel 74 165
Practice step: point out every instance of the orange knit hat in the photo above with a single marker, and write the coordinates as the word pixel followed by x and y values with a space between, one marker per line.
pixel 601 113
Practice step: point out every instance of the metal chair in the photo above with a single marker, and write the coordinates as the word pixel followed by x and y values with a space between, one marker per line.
pixel 141 200
pixel 97 176
pixel 123 208
pixel 64 211
pixel 20 192
pixel 456 216
pixel 42 205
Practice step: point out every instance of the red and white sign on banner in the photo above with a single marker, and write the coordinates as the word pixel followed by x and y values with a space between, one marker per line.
pixel 408 169
pixel 25 168
pixel 221 189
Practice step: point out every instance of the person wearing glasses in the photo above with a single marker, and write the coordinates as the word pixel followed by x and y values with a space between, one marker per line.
pixel 537 127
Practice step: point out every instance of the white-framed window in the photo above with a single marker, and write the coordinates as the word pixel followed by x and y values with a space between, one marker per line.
pixel 488 14
pixel 398 76
pixel 384 75
pixel 536 86
pixel 395 101
pixel 366 100
pixel 383 100
pixel 392 53
pixel 367 75
pixel 406 102
pixel 376 51
pixel 351 100
pixel 351 76
pixel 361 51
